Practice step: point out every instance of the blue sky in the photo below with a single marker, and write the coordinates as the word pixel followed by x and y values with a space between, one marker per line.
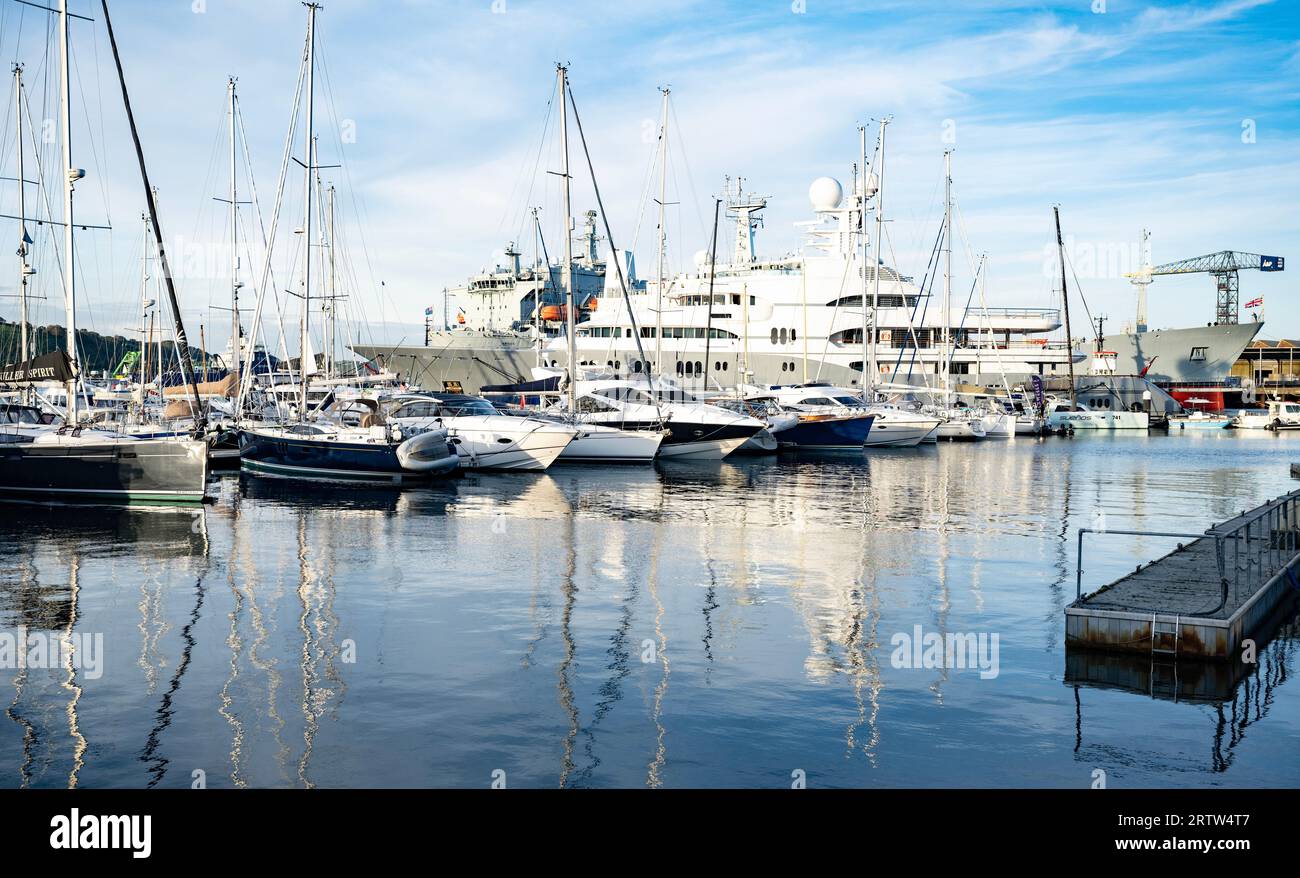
pixel 1179 117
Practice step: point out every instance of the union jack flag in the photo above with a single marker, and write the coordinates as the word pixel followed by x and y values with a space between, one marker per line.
pixel 1255 303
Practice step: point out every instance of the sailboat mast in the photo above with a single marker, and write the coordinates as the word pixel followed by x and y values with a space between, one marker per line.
pixel 663 197
pixel 144 308
pixel 948 271
pixel 333 297
pixel 235 346
pixel 1065 305
pixel 307 199
pixel 24 270
pixel 69 177
pixel 570 323
pixel 178 324
pixel 539 287
pixel 713 261
pixel 875 265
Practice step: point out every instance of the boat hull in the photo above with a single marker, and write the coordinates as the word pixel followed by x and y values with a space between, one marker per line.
pixel 151 470
pixel 1099 421
pixel 341 461
pixel 830 432
pixel 595 444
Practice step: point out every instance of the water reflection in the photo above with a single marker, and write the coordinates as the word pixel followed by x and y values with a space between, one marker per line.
pixel 628 626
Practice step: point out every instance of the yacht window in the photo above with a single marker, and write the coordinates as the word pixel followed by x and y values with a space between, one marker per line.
pixel 590 405
pixel 817 400
pixel 680 367
pixel 19 415
pixel 699 368
pixel 774 336
pixel 630 394
pixel 417 410
pixel 852 401
pixel 784 336
pixel 463 407
pixel 793 335
pixel 305 430
pixel 674 396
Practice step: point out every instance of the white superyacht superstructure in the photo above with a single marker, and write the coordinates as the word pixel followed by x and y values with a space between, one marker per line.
pixel 791 319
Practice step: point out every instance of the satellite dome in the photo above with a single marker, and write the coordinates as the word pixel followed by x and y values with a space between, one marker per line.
pixel 701 258
pixel 872 185
pixel 825 193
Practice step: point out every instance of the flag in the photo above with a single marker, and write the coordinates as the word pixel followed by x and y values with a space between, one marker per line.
pixel 428 312
pixel 1256 303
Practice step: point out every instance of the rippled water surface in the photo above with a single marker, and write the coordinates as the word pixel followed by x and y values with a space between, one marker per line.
pixel 679 625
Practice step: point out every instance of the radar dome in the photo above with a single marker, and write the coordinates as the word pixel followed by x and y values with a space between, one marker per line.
pixel 872 185
pixel 701 258
pixel 825 193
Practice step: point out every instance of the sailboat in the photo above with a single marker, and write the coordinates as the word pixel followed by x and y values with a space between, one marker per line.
pixel 602 437
pixel 67 460
pixel 1063 417
pixel 372 450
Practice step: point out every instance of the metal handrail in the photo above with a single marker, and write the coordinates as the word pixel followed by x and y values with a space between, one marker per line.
pixel 1078 580
pixel 1263 541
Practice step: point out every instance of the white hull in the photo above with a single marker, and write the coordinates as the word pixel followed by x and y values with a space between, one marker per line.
pixel 595 444
pixel 710 449
pixel 896 436
pixel 497 442
pixel 998 426
pixel 1028 426
pixel 1099 420
pixel 534 451
pixel 966 431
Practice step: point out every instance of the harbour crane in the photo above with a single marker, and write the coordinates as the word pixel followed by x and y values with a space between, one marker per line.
pixel 1224 265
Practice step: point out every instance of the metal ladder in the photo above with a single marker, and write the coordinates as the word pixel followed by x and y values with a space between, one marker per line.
pixel 1161 630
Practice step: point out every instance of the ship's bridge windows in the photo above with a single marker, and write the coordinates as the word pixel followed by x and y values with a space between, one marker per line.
pixel 696 332
pixel 884 300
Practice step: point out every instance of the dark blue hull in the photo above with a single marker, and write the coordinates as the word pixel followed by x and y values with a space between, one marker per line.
pixel 316 459
pixel 828 433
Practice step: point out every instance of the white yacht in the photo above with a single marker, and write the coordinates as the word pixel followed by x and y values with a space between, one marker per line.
pixel 791 319
pixel 694 429
pixel 483 437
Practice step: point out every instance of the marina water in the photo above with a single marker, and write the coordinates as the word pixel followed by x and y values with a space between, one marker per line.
pixel 745 623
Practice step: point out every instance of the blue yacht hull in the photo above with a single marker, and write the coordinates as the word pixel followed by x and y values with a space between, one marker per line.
pixel 828 433
pixel 315 459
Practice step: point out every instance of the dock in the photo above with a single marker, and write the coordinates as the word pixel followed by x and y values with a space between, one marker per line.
pixel 1205 597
